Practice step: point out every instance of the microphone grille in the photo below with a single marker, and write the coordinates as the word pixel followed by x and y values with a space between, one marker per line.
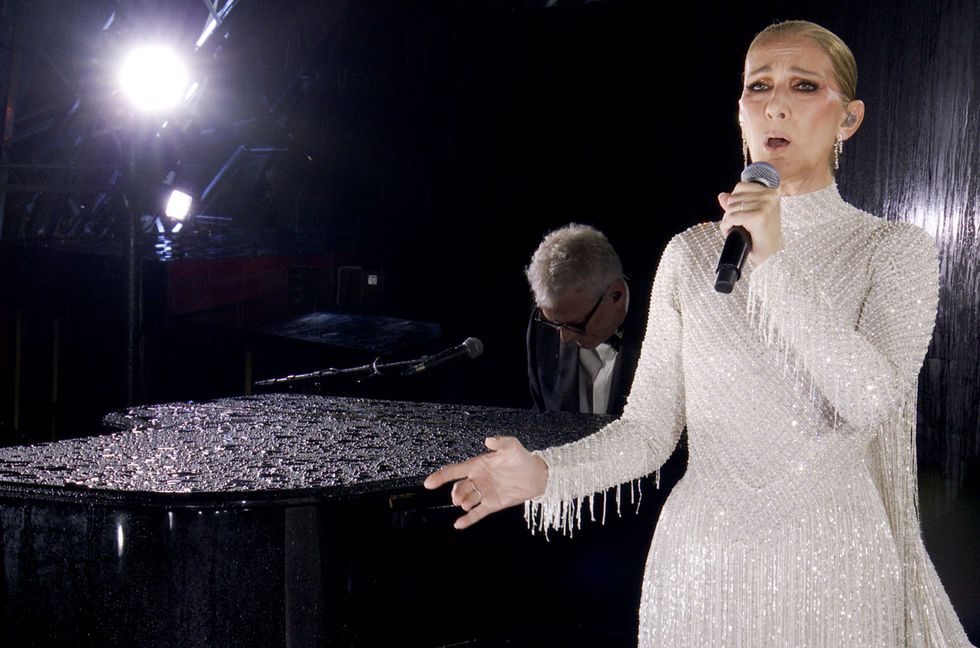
pixel 763 173
pixel 473 347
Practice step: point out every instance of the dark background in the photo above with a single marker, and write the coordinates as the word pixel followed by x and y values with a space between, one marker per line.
pixel 435 143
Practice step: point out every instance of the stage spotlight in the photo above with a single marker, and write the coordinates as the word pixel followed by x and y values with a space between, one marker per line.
pixel 178 205
pixel 153 78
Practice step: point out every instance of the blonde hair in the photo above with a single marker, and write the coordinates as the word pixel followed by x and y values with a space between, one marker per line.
pixel 845 67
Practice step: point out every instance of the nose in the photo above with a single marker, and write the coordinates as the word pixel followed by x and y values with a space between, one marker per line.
pixel 777 107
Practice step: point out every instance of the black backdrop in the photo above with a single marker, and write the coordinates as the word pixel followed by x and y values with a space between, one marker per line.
pixel 446 137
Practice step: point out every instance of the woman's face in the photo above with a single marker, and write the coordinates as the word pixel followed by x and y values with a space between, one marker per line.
pixel 791 111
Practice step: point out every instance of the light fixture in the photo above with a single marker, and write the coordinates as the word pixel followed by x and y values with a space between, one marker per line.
pixel 178 205
pixel 153 78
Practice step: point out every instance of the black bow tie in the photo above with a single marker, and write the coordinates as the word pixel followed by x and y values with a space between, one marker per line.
pixel 616 341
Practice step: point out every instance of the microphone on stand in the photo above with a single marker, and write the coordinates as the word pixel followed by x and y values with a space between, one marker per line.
pixel 738 243
pixel 471 347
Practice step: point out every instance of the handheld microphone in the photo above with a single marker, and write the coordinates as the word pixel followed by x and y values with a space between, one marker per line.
pixel 738 243
pixel 471 347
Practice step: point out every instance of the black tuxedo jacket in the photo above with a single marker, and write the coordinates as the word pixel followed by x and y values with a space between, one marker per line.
pixel 552 367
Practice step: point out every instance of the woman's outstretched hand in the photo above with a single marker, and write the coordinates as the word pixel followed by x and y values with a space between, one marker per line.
pixel 506 476
pixel 755 208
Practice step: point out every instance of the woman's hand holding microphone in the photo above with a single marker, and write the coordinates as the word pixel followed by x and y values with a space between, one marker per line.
pixel 756 208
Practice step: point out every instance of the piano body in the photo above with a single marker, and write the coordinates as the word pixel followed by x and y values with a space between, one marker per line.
pixel 289 520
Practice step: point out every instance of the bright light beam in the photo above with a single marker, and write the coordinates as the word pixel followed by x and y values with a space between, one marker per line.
pixel 153 78
pixel 179 205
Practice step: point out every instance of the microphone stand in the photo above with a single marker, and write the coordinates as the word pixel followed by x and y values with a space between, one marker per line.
pixel 375 368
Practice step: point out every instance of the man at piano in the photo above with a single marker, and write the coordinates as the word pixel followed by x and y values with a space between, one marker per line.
pixel 583 338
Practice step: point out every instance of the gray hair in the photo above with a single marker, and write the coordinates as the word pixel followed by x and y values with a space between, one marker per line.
pixel 573 258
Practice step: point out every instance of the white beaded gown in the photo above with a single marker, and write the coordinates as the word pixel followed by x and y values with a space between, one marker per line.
pixel 796 522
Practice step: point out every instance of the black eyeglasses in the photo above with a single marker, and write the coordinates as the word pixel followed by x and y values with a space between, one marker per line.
pixel 574 327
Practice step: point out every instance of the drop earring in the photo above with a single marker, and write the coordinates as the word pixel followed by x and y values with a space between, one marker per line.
pixel 838 151
pixel 745 149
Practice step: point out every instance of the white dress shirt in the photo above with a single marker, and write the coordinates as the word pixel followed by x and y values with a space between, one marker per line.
pixel 595 378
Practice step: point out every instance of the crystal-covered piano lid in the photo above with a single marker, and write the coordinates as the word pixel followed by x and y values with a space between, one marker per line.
pixel 275 520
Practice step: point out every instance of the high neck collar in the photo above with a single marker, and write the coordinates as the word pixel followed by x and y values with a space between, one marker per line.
pixel 812 209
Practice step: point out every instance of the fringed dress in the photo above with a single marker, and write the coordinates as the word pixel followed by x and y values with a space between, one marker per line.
pixel 796 522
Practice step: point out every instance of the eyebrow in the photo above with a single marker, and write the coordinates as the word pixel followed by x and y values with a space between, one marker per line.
pixel 797 70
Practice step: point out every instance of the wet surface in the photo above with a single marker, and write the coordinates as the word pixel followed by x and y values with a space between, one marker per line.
pixel 276 444
pixel 374 333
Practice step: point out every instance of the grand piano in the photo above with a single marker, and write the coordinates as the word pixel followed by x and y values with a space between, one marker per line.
pixel 292 520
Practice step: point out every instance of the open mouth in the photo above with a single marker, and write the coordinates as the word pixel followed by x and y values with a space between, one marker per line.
pixel 776 143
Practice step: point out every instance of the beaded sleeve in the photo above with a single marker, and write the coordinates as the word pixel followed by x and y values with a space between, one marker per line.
pixel 639 442
pixel 866 372
pixel 867 375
